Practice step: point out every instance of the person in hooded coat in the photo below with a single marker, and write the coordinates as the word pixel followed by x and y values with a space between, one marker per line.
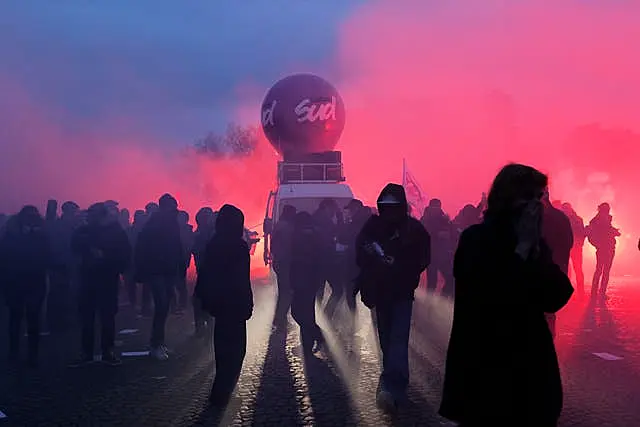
pixel 357 216
pixel 224 288
pixel 558 235
pixel 63 274
pixel 159 258
pixel 179 299
pixel 281 253
pixel 130 283
pixel 602 235
pixel 328 219
pixel 577 226
pixel 25 257
pixel 442 233
pixel 501 366
pixel 469 215
pixel 307 276
pixel 206 228
pixel 105 253
pixel 392 251
pixel 147 296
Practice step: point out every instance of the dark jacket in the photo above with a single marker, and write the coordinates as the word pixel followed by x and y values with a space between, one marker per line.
pixel 348 236
pixel 328 233
pixel 307 245
pixel 557 233
pixel 442 233
pixel 224 283
pixel 469 215
pixel 60 233
pixel 501 361
pixel 159 249
pixel 601 233
pixel 407 242
pixel 578 229
pixel 281 241
pixel 187 239
pixel 25 257
pixel 201 238
pixel 104 251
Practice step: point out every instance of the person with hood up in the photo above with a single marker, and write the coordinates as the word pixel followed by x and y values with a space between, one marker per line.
pixel 25 257
pixel 469 215
pixel 124 217
pixel 224 288
pixel 159 261
pixel 392 251
pixel 281 253
pixel 602 235
pixel 129 276
pixel 113 208
pixel 442 233
pixel 186 237
pixel 105 253
pixel 558 235
pixel 145 305
pixel 306 276
pixel 63 274
pixel 206 228
pixel 356 217
pixel 578 229
pixel 506 280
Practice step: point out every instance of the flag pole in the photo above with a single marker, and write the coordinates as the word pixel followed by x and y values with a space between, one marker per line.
pixel 404 172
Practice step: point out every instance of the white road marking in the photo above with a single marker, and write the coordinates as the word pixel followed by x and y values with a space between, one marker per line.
pixel 135 353
pixel 158 378
pixel 128 331
pixel 3 415
pixel 607 356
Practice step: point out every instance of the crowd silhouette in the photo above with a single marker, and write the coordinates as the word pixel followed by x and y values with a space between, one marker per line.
pixel 504 262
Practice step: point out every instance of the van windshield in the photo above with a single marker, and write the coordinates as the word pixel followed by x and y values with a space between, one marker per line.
pixel 308 204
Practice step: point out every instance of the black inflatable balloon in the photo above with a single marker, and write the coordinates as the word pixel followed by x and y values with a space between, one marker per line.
pixel 302 114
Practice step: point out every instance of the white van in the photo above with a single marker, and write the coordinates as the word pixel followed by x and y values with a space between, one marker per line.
pixel 304 185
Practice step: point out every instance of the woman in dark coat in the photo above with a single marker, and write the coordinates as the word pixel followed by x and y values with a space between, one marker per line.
pixel 224 289
pixel 25 258
pixel 502 368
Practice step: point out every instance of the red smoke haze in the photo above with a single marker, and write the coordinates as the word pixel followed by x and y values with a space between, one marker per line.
pixel 457 88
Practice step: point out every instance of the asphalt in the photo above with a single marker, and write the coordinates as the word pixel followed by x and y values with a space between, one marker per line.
pixel 598 346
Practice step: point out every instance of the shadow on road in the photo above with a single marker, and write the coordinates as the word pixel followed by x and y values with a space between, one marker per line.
pixel 277 391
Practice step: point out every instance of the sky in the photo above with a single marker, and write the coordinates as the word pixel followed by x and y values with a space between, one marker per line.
pixel 98 98
pixel 170 67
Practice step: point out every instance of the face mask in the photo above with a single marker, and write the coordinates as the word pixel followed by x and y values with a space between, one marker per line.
pixel 392 213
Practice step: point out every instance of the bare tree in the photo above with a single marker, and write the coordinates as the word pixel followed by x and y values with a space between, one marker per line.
pixel 236 141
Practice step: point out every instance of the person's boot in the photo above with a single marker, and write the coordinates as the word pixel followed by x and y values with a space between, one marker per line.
pixel 218 398
pixel 110 358
pixel 386 402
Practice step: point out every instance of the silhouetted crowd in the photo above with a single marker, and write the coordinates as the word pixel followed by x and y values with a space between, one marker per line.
pixel 504 262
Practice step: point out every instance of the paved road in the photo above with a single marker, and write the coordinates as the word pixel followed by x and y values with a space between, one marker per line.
pixel 338 389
